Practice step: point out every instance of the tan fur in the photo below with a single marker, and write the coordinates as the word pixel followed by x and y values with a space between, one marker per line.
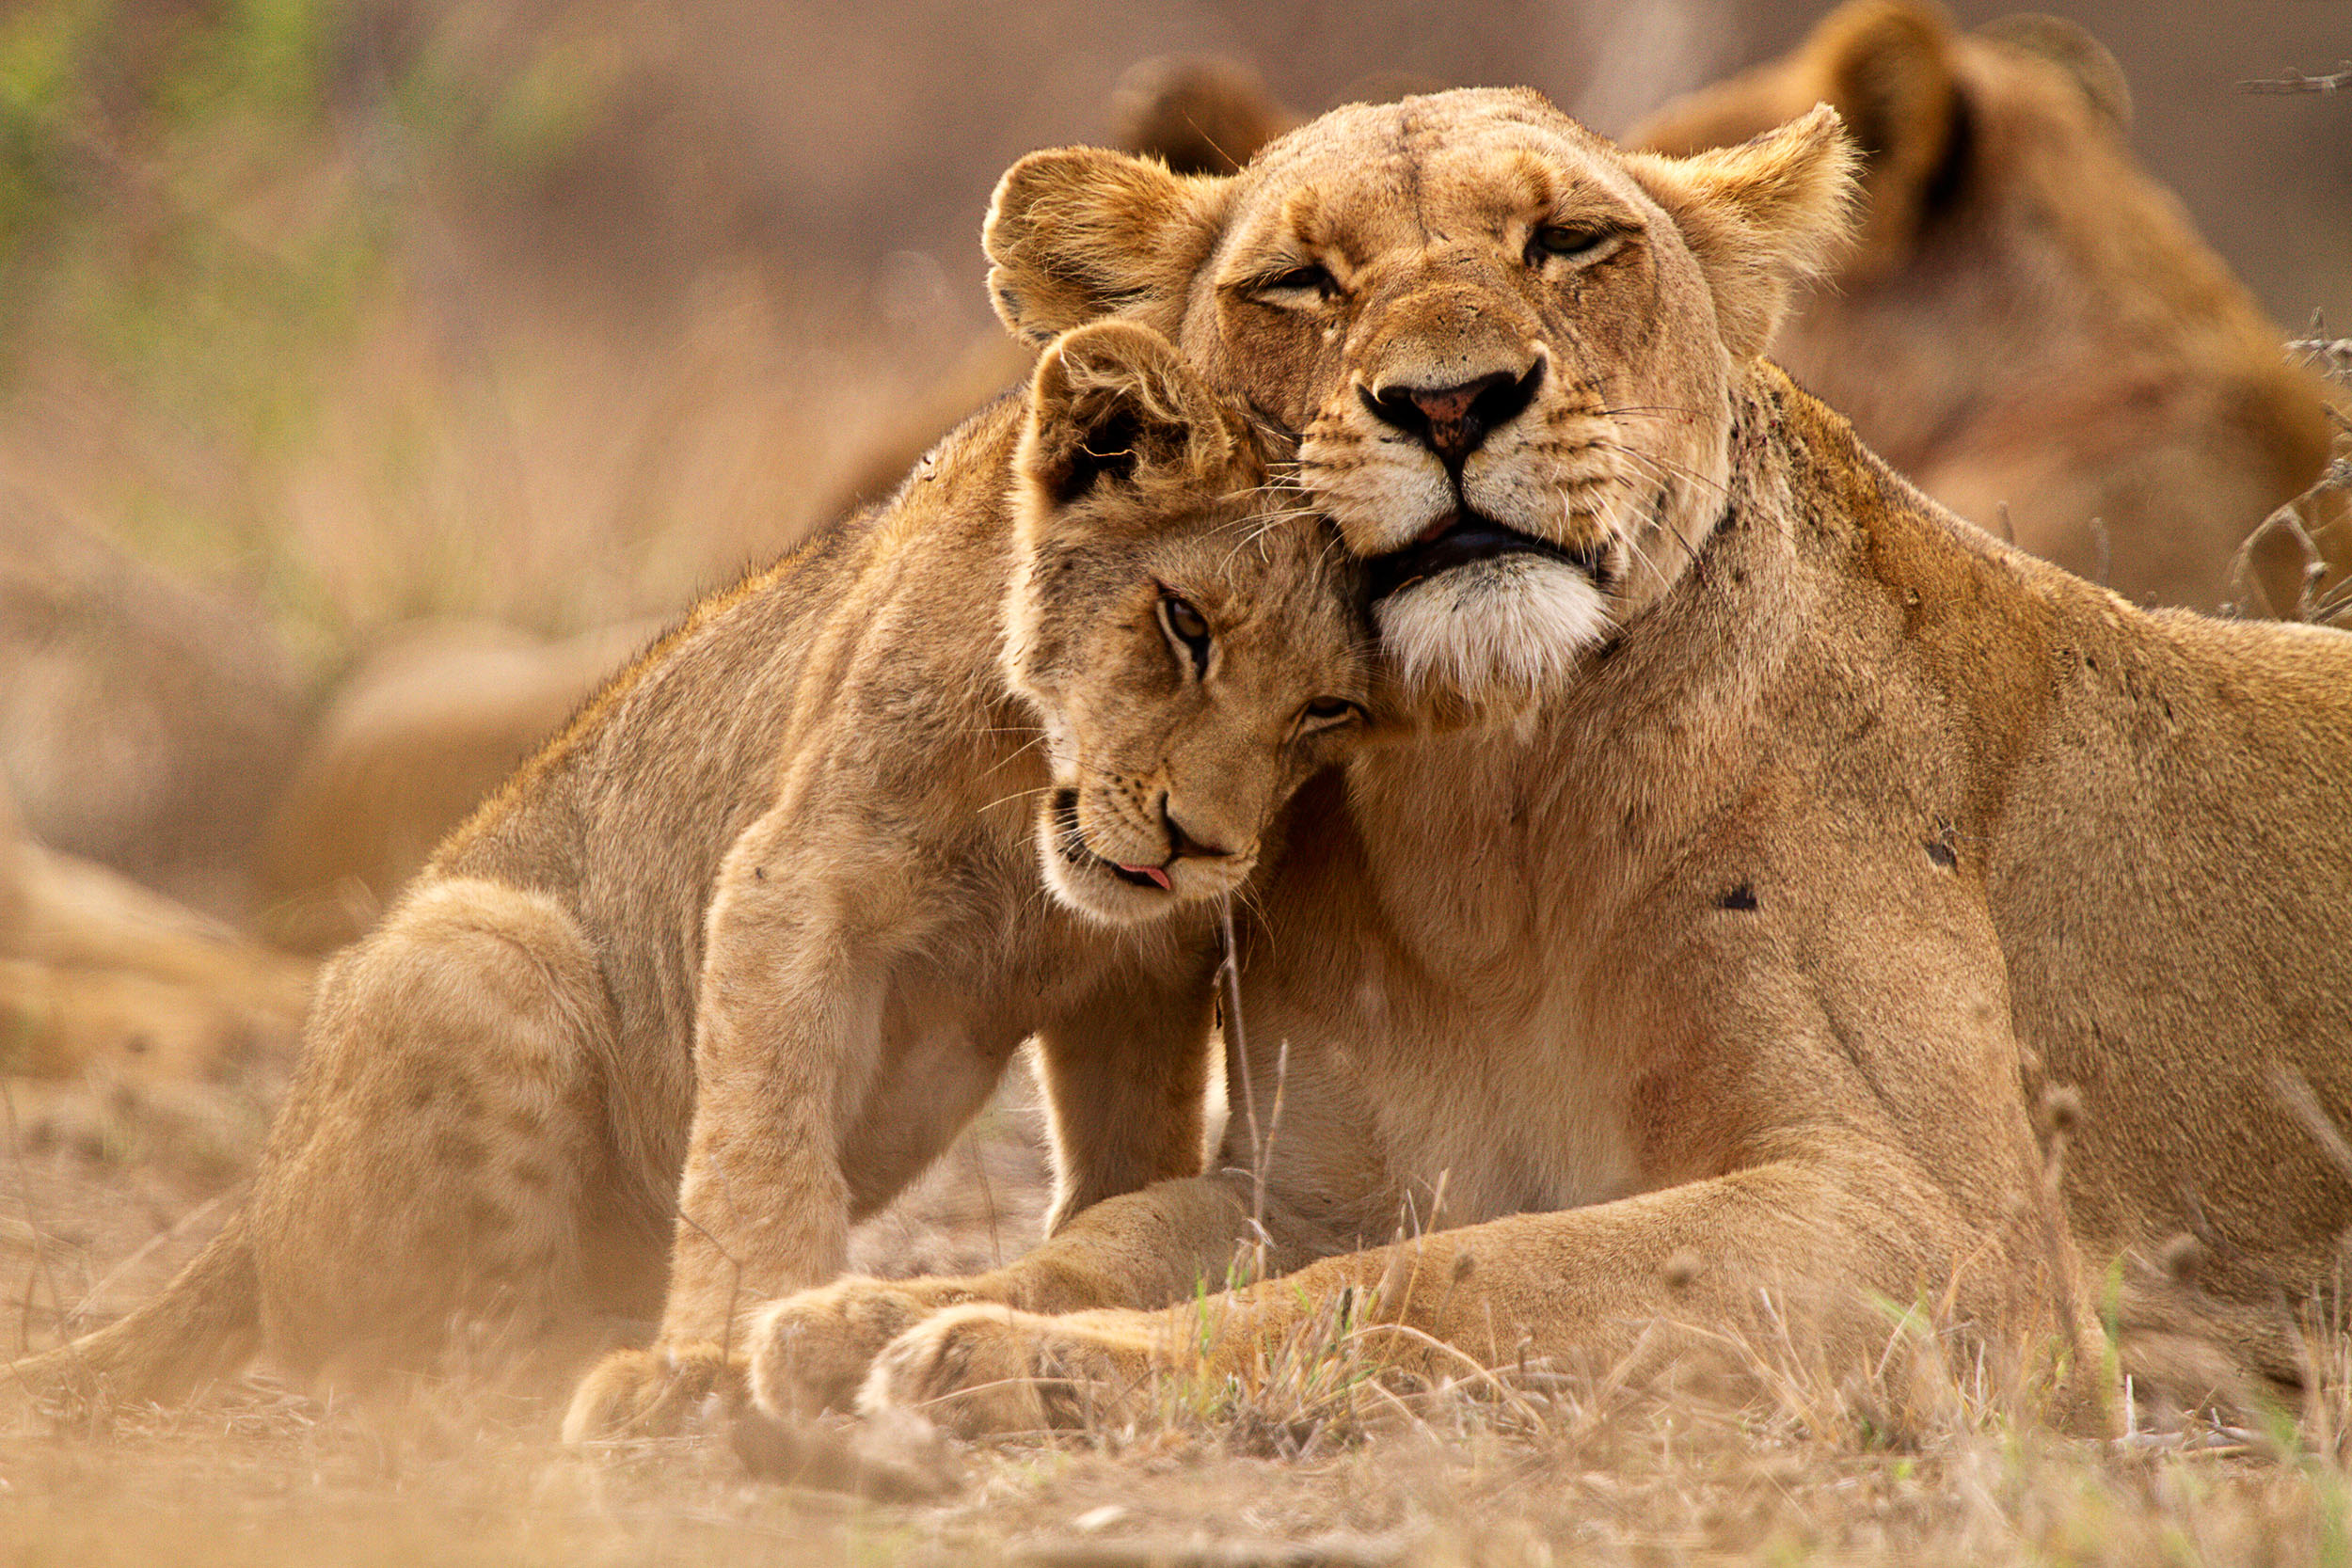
pixel 2026 324
pixel 734 957
pixel 2029 325
pixel 1709 983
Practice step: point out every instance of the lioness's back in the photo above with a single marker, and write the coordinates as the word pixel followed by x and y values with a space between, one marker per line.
pixel 2162 792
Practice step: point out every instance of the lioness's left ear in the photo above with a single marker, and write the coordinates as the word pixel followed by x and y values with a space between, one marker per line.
pixel 1080 233
pixel 1115 403
pixel 1759 216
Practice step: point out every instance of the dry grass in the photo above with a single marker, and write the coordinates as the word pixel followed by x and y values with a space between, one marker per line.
pixel 1322 1454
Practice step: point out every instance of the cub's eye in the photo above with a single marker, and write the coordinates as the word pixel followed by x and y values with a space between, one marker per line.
pixel 1570 241
pixel 1188 632
pixel 1297 289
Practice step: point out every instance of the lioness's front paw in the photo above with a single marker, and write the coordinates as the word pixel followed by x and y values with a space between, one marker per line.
pixel 650 1393
pixel 982 1369
pixel 810 1351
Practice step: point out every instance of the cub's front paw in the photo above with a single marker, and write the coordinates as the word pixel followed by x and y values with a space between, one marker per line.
pixel 983 1370
pixel 650 1393
pixel 809 1352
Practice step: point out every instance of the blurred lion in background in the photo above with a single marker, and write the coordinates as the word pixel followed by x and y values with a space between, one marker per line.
pixel 144 724
pixel 2029 326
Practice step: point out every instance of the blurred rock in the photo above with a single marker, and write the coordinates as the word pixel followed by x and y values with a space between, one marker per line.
pixel 420 734
pixel 143 724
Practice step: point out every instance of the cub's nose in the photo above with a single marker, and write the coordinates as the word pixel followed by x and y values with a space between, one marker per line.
pixel 1453 420
pixel 1181 842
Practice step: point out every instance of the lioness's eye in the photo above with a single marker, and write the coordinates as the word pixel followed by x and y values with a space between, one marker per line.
pixel 1300 286
pixel 1188 632
pixel 1572 242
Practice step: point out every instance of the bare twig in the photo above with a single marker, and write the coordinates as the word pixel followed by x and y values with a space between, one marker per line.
pixel 2331 355
pixel 1236 1043
pixel 987 1198
pixel 1237 1064
pixel 2295 81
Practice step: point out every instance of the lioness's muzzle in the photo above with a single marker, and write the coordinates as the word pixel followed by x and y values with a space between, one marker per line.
pixel 1470 538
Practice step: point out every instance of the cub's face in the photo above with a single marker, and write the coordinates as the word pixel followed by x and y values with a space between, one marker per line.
pixel 1506 347
pixel 1191 641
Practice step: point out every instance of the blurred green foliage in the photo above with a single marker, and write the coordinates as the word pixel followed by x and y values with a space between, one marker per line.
pixel 192 186
pixel 205 204
pixel 163 208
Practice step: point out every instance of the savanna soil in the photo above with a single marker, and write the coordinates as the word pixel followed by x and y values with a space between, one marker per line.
pixel 103 1193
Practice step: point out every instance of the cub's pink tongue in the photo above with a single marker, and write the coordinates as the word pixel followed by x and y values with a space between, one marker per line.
pixel 1152 871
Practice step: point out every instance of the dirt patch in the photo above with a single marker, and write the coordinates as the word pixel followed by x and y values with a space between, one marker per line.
pixel 119 1191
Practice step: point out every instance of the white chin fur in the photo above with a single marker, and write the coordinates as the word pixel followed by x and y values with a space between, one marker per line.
pixel 1518 622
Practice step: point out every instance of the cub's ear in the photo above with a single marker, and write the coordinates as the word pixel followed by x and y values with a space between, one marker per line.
pixel 1081 232
pixel 1758 217
pixel 1114 403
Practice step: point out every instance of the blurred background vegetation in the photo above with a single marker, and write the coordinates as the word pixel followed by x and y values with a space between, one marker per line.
pixel 556 310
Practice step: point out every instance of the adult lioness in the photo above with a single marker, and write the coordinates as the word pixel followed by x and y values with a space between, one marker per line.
pixel 2028 325
pixel 2028 322
pixel 1801 833
pixel 779 887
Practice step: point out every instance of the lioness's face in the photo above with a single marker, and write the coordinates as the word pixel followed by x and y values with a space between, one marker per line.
pixel 1507 347
pixel 1190 638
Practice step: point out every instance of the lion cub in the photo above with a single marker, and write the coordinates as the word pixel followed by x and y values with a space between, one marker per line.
pixel 736 955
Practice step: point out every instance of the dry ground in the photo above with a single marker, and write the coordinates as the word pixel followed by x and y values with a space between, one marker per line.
pixel 103 1193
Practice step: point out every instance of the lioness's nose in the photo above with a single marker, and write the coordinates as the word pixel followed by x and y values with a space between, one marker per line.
pixel 1453 420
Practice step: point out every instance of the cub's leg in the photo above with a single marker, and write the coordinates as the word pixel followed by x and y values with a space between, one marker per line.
pixel 1125 1074
pixel 787 1038
pixel 427 1174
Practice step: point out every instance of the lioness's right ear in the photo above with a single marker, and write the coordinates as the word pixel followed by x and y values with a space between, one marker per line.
pixel 1081 232
pixel 1114 403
